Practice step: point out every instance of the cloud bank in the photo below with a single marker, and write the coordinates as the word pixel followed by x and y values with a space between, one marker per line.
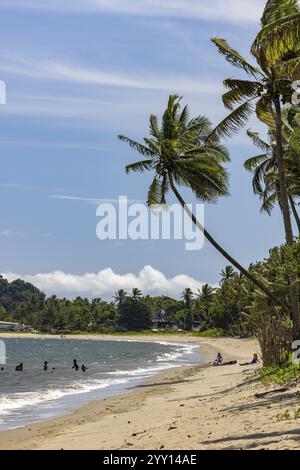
pixel 231 11
pixel 106 282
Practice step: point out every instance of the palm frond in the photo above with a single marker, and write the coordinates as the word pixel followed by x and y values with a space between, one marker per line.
pixel 252 163
pixel 264 111
pixel 139 167
pixel 258 141
pixel 232 123
pixel 184 116
pixel 154 193
pixel 268 202
pixel 239 90
pixel 140 148
pixel 154 129
pixel 234 57
pixel 277 41
pixel 277 9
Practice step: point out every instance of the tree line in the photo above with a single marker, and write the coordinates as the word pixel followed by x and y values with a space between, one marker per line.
pixel 233 307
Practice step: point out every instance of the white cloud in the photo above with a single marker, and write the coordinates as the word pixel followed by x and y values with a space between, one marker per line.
pixel 88 76
pixel 11 233
pixel 232 11
pixel 106 282
pixel 92 200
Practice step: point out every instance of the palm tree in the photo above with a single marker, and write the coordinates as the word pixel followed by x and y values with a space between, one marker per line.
pixel 179 154
pixel 206 295
pixel 226 275
pixel 120 296
pixel 136 294
pixel 187 296
pixel 277 53
pixel 264 168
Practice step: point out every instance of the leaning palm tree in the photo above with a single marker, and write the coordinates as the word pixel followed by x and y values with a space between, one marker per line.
pixel 137 294
pixel 276 50
pixel 179 154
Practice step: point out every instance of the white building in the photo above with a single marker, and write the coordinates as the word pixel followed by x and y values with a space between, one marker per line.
pixel 9 326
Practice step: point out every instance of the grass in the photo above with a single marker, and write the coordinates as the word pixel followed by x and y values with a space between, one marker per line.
pixel 213 333
pixel 280 375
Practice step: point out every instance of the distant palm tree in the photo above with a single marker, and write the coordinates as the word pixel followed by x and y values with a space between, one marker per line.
pixel 120 296
pixel 179 154
pixel 137 294
pixel 206 293
pixel 227 274
pixel 206 296
pixel 187 296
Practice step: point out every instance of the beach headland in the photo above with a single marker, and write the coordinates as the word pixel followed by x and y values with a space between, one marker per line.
pixel 192 407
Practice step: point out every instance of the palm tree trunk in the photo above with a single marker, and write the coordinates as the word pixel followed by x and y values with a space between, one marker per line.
pixel 295 212
pixel 294 295
pixel 231 260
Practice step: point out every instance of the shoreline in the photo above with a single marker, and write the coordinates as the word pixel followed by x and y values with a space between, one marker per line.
pixel 195 407
pixel 54 433
pixel 70 401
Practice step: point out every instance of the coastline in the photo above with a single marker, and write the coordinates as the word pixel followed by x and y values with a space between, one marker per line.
pixel 192 407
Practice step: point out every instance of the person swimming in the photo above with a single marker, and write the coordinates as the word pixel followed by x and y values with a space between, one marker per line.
pixel 19 367
pixel 75 365
pixel 45 366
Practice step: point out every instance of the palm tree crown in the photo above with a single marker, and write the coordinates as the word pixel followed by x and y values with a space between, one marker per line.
pixel 137 294
pixel 178 151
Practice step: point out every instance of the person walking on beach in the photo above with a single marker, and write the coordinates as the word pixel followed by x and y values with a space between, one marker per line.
pixel 75 365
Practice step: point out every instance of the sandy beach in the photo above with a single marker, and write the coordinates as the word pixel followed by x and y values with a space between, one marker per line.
pixel 193 407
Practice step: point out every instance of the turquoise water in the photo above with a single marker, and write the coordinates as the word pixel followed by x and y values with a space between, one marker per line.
pixel 113 367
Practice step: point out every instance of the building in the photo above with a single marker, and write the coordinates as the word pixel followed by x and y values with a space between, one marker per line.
pixel 9 326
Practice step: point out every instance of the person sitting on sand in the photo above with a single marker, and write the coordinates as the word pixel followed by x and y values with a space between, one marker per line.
pixel 219 360
pixel 75 365
pixel 254 361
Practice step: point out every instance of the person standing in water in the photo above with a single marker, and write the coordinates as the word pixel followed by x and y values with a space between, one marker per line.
pixel 84 368
pixel 75 365
pixel 19 367
pixel 45 366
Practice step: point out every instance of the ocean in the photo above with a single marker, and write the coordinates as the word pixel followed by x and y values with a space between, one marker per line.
pixel 113 367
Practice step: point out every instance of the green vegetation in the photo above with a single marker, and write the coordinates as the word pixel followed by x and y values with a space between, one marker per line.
pixel 280 375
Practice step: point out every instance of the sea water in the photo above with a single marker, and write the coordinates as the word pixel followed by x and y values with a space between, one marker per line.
pixel 113 368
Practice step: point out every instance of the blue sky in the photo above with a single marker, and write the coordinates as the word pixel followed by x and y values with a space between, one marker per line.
pixel 78 73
